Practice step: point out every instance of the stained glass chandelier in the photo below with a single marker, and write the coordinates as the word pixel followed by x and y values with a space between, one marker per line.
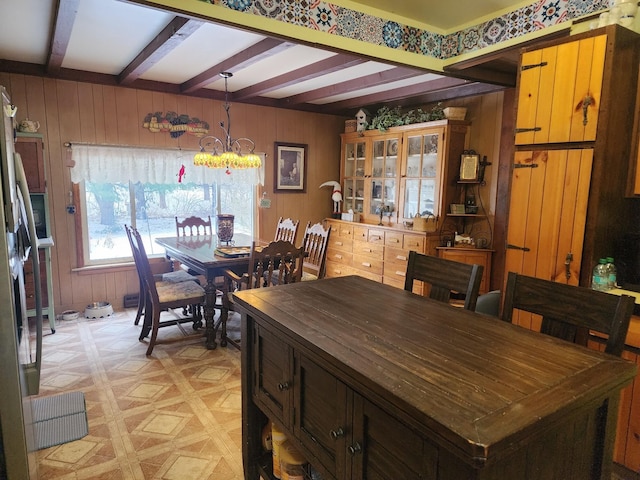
pixel 228 153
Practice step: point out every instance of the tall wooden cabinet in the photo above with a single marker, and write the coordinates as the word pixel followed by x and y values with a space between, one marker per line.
pixel 573 137
pixel 573 141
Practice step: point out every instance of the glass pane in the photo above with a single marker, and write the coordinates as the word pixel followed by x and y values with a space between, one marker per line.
pixel 108 207
pixel 390 194
pixel 359 200
pixel 415 146
pixel 427 197
pixel 431 143
pixel 391 166
pixel 378 148
pixel 378 167
pixel 411 196
pixel 429 165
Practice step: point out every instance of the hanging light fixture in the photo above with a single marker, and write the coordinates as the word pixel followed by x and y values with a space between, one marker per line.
pixel 228 152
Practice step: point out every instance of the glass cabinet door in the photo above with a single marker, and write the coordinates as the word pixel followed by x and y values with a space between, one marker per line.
pixel 353 175
pixel 384 171
pixel 422 176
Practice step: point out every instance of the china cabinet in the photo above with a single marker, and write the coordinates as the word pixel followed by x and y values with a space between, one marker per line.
pixel 393 176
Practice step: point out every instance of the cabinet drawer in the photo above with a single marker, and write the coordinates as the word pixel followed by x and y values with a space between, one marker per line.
pixel 393 239
pixel 341 230
pixel 395 270
pixel 368 264
pixel 396 255
pixel 366 248
pixel 337 269
pixel 376 236
pixel 360 233
pixel 344 258
pixel 413 242
pixel 340 243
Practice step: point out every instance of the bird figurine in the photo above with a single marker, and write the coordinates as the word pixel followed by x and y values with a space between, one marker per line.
pixel 336 196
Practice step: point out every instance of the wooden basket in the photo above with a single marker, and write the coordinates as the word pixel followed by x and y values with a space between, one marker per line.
pixel 425 224
pixel 350 126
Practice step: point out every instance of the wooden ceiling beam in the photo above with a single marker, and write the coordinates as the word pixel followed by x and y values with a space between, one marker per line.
pixel 388 96
pixel 176 32
pixel 259 51
pixel 308 72
pixel 373 80
pixel 65 16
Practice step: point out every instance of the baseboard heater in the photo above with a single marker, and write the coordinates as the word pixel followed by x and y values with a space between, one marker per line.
pixel 131 300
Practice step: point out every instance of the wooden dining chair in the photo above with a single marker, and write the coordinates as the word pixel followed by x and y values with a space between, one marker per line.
pixel 287 230
pixel 163 272
pixel 193 226
pixel 279 262
pixel 314 243
pixel 162 296
pixel 444 277
pixel 569 312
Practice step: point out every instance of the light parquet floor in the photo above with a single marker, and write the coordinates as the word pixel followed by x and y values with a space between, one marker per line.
pixel 172 416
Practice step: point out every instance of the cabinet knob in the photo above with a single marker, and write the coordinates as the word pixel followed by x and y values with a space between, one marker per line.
pixel 337 433
pixel 355 448
pixel 282 386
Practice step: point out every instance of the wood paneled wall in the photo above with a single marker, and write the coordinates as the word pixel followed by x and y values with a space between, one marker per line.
pixel 71 111
pixel 81 112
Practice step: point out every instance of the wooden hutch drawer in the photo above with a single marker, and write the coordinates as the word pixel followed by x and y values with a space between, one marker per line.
pixel 366 248
pixel 340 243
pixel 341 229
pixel 345 258
pixel 393 239
pixel 338 269
pixel 368 263
pixel 413 242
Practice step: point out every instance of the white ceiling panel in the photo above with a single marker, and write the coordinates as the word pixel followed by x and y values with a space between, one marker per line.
pixel 108 35
pixel 24 35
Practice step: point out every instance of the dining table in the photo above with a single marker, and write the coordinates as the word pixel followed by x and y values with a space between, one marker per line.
pixel 208 256
pixel 372 381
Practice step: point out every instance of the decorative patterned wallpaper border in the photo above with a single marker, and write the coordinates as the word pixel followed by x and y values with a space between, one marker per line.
pixel 336 20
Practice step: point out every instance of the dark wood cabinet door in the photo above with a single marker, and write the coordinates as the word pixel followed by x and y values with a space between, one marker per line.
pixel 321 421
pixel 273 379
pixel 31 153
pixel 383 448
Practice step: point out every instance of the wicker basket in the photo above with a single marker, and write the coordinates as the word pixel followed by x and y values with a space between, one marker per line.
pixel 425 224
pixel 350 126
pixel 455 113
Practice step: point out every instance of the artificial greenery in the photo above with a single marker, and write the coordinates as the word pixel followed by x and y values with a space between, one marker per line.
pixel 386 117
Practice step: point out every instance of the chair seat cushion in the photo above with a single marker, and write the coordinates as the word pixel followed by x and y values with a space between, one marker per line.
pixel 178 276
pixel 306 276
pixel 171 292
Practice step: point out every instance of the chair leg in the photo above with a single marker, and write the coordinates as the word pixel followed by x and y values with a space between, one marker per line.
pixel 141 302
pixel 154 331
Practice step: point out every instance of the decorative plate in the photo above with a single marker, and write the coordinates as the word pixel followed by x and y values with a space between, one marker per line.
pixel 392 148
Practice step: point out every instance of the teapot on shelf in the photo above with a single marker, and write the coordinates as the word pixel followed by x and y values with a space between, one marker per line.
pixel 29 126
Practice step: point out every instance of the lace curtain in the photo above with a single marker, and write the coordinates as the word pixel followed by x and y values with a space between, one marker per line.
pixel 115 164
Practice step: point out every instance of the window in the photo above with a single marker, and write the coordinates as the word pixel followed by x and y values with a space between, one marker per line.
pixel 139 186
pixel 152 209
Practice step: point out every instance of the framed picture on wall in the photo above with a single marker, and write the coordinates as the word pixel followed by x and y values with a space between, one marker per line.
pixel 469 167
pixel 290 168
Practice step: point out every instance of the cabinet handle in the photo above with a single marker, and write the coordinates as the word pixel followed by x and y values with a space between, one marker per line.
pixel 282 386
pixel 401 257
pixel 394 240
pixel 567 265
pixel 337 433
pixel 339 243
pixel 366 264
pixel 584 105
pixel 339 256
pixel 355 448
pixel 399 273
